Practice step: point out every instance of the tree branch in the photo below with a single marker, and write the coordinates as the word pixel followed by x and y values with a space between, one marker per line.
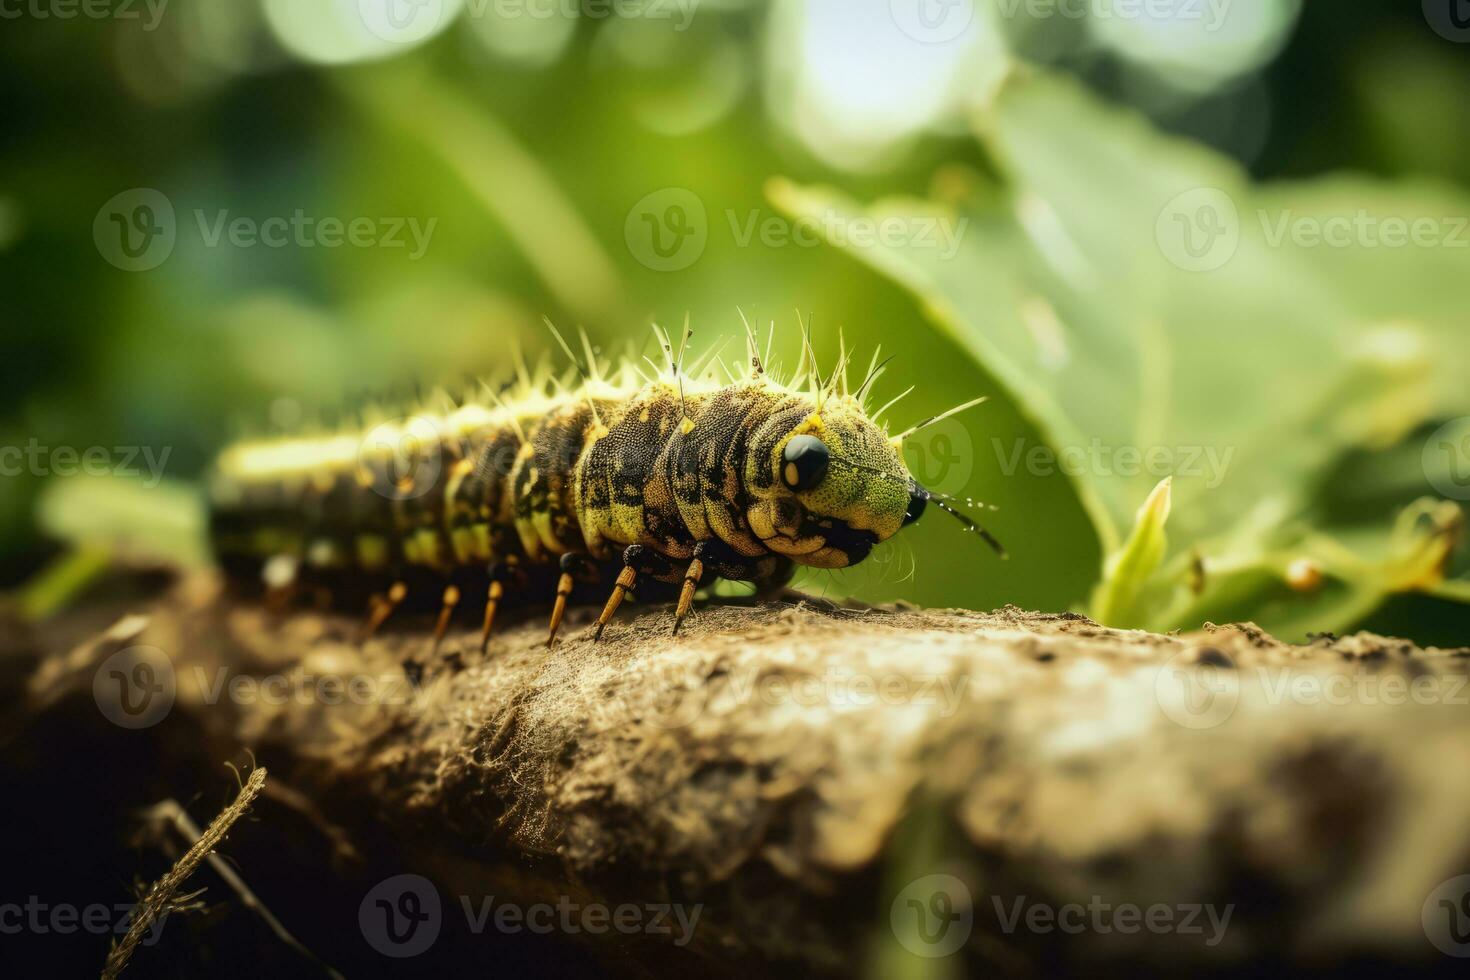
pixel 800 771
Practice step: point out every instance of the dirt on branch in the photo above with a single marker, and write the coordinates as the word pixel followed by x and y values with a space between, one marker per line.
pixel 842 790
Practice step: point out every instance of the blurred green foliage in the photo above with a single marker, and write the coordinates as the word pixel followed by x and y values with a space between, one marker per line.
pixel 528 141
pixel 1250 363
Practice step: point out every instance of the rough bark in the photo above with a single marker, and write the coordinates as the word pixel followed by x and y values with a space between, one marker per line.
pixel 793 768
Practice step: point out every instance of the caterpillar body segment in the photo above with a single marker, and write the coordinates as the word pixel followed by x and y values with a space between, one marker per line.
pixel 652 486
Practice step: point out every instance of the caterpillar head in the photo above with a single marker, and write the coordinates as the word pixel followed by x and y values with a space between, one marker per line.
pixel 826 486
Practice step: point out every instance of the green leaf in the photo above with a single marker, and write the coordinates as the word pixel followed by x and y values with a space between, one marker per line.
pixel 1353 572
pixel 1456 590
pixel 163 522
pixel 1243 360
pixel 55 586
pixel 1126 573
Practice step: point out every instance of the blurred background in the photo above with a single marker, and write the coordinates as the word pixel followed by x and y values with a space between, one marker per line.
pixel 229 216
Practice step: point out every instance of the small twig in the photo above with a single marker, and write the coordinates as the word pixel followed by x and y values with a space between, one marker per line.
pixel 170 812
pixel 155 903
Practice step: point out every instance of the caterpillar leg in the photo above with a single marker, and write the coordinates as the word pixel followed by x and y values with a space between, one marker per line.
pixel 451 599
pixel 573 566
pixel 637 560
pixel 382 608
pixel 626 578
pixel 719 558
pixel 499 572
pixel 691 583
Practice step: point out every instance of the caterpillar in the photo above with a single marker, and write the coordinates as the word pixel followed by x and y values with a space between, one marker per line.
pixel 661 481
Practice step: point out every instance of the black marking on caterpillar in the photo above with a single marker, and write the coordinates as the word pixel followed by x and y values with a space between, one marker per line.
pixel 661 480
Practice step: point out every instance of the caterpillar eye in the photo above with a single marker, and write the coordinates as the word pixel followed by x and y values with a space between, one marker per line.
pixel 804 462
